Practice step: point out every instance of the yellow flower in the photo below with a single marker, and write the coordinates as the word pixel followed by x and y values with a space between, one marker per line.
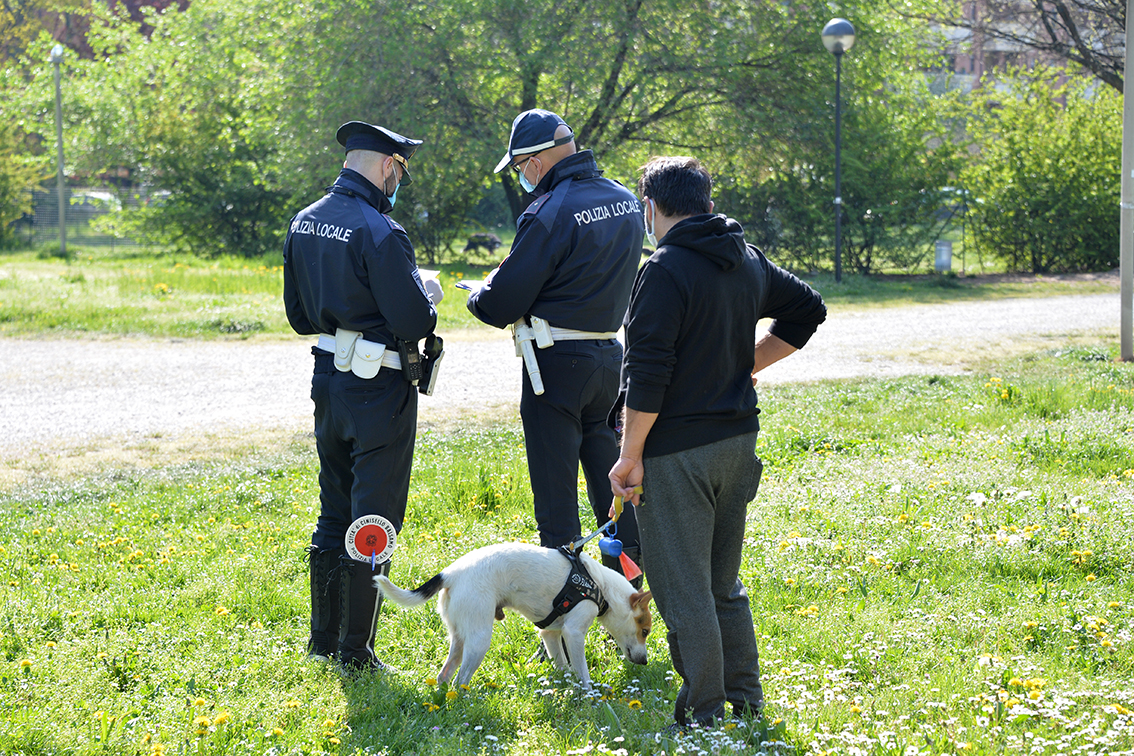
pixel 1031 625
pixel 199 702
pixel 101 655
pixel 841 590
pixel 430 706
pixel 964 746
pixel 328 724
pixel 431 681
pixel 293 704
pixel 276 732
pixel 202 721
pixel 634 704
pixel 451 695
pixel 789 581
pixel 1113 605
pixel 334 741
pixel 25 664
pixel 465 687
pixel 50 644
pixel 220 610
pixel 856 710
pixel 222 717
pixel 1091 578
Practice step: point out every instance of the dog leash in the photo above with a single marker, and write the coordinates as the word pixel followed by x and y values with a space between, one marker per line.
pixel 611 546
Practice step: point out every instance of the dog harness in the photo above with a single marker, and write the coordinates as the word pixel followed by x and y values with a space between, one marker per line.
pixel 580 586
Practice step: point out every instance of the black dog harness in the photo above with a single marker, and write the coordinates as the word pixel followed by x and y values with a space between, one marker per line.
pixel 580 586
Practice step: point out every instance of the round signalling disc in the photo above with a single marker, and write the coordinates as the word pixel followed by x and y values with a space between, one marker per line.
pixel 371 538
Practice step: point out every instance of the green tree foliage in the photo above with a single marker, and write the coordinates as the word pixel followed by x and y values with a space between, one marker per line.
pixel 897 158
pixel 1046 179
pixel 227 112
pixel 19 175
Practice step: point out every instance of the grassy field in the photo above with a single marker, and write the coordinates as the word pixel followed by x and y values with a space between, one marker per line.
pixel 135 292
pixel 936 565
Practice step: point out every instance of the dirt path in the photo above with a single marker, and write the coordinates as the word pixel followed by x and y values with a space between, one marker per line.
pixel 93 394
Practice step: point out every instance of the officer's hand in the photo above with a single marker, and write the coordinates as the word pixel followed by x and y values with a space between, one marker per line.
pixel 624 477
pixel 434 290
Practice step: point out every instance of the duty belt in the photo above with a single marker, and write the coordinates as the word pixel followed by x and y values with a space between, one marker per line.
pixel 580 586
pixel 357 355
pixel 570 334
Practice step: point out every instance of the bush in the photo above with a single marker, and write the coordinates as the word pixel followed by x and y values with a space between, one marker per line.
pixel 1046 176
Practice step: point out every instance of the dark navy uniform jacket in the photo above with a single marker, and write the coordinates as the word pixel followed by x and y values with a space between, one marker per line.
pixel 575 255
pixel 349 265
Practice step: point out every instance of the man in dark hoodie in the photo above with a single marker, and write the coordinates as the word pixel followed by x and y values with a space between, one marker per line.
pixel 572 265
pixel 687 407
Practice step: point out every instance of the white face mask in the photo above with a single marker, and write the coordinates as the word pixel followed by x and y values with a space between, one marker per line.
pixel 651 226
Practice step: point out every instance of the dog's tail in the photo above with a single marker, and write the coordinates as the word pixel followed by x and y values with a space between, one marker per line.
pixel 416 597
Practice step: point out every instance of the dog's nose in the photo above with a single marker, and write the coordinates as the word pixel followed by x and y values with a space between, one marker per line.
pixel 638 657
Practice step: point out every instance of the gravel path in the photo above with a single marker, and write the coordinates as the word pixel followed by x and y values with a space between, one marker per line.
pixel 59 392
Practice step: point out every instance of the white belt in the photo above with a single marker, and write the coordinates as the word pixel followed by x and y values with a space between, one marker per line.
pixel 570 334
pixel 357 355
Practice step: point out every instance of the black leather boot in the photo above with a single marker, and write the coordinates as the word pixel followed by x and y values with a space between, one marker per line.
pixel 324 641
pixel 361 601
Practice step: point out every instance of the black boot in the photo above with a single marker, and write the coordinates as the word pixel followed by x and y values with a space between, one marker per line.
pixel 361 601
pixel 324 641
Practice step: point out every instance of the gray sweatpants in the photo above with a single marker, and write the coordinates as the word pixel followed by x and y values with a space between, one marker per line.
pixel 691 525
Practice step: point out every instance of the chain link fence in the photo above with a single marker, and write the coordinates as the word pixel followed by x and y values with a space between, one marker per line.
pixel 84 206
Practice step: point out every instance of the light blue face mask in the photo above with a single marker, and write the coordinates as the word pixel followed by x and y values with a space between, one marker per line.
pixel 651 228
pixel 397 185
pixel 529 187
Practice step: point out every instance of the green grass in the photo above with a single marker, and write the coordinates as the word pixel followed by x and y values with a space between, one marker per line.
pixel 140 293
pixel 936 565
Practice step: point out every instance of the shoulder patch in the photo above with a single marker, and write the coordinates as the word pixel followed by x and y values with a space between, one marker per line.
pixel 393 223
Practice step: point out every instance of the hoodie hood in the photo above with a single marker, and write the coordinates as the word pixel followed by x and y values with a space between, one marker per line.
pixel 717 237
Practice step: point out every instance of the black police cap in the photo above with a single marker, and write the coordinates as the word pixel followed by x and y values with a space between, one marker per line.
pixel 358 135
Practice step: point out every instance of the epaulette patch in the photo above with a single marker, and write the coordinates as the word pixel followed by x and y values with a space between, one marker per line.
pixel 393 223
pixel 539 202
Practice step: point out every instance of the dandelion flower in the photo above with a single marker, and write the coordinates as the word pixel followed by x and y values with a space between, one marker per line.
pixel 451 695
pixel 276 732
pixel 222 717
pixel 25 664
pixel 50 644
pixel 202 721
pixel 634 704
pixel 334 741
pixel 199 701
pixel 431 681
pixel 856 709
pixel 220 610
pixel 328 724
pixel 293 704
pixel 1091 578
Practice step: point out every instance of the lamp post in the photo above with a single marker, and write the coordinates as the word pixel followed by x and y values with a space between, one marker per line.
pixel 57 58
pixel 838 37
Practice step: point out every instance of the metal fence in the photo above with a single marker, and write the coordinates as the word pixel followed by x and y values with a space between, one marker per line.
pixel 84 205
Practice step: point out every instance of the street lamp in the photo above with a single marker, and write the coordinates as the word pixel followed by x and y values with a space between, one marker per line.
pixel 838 37
pixel 57 58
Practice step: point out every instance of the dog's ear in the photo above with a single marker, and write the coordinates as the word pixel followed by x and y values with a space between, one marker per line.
pixel 640 599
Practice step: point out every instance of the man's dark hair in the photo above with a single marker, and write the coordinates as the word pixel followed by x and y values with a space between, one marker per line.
pixel 681 186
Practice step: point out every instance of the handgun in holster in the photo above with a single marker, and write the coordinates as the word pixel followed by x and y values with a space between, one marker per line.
pixel 431 364
pixel 411 361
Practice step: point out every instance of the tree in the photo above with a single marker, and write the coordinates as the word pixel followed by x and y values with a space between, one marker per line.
pixel 1045 178
pixel 20 173
pixel 1089 33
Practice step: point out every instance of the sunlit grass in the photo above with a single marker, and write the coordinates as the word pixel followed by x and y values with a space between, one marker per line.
pixel 934 567
pixel 137 292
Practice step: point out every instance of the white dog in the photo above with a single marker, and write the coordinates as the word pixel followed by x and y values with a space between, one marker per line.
pixel 527 579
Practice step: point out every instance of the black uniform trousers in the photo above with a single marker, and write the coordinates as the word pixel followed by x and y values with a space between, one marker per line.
pixel 365 431
pixel 566 426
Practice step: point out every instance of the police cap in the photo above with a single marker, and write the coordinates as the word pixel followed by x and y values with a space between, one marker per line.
pixel 357 135
pixel 533 131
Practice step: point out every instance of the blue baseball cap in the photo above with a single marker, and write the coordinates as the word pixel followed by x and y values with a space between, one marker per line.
pixel 533 131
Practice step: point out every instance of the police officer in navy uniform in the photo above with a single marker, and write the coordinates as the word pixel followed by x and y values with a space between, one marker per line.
pixel 572 263
pixel 350 276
